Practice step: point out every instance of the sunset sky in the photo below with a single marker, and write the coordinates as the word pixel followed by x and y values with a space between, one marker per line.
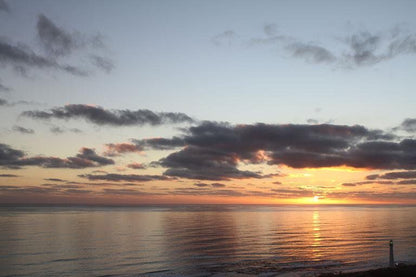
pixel 251 102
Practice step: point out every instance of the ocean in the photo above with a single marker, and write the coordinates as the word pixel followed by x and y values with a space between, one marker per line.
pixel 202 240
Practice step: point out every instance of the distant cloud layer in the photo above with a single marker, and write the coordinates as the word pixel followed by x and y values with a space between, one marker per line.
pixel 101 116
pixel 362 48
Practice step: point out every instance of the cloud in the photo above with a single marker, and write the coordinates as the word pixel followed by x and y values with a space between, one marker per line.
pixel 55 180
pixel 361 48
pixel 214 151
pixel 121 177
pixel 311 53
pixel 136 166
pixel 102 63
pixel 204 164
pixel 8 155
pixel 4 6
pixel 101 116
pixel 393 175
pixel 21 58
pixel 160 143
pixel 12 158
pixel 60 130
pixel 116 149
pixel 23 130
pixel 407 182
pixel 8 175
pixel 409 125
pixel 55 40
pixel 217 185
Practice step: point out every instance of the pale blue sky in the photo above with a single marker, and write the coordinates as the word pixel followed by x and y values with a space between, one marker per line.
pixel 165 59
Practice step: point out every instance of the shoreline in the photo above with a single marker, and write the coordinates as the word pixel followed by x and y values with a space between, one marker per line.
pixel 401 270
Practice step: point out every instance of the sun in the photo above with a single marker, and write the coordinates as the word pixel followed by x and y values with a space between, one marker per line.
pixel 316 198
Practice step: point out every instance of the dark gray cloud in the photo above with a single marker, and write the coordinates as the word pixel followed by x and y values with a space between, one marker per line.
pixel 204 164
pixel 8 156
pixel 214 185
pixel 60 130
pixel 363 46
pixel 21 58
pixel 23 130
pixel 3 102
pixel 12 158
pixel 8 175
pixel 101 116
pixel 394 175
pixel 123 177
pixel 409 125
pixel 160 143
pixel 217 185
pixel 367 182
pixel 407 182
pixel 126 192
pixel 55 40
pixel 102 63
pixel 213 151
pixel 4 6
pixel 55 180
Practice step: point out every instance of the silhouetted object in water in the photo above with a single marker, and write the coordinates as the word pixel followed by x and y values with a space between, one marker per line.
pixel 391 260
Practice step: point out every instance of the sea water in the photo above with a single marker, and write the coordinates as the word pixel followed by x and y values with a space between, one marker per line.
pixel 202 240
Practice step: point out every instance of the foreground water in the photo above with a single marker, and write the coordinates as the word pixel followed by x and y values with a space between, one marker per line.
pixel 201 240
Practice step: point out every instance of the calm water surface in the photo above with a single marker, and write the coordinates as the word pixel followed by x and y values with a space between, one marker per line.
pixel 201 240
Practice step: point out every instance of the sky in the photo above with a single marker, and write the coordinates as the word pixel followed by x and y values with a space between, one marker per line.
pixel 188 102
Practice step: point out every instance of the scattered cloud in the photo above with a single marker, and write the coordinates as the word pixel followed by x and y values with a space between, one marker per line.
pixel 393 175
pixel 121 177
pixel 12 158
pixel 214 151
pixel 8 175
pixel 23 130
pixel 160 143
pixel 103 63
pixel 311 53
pixel 361 48
pixel 21 58
pixel 101 116
pixel 55 180
pixel 116 149
pixel 59 130
pixel 409 125
pixel 136 166
pixel 55 40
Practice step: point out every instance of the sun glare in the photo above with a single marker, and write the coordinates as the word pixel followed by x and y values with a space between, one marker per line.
pixel 316 198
